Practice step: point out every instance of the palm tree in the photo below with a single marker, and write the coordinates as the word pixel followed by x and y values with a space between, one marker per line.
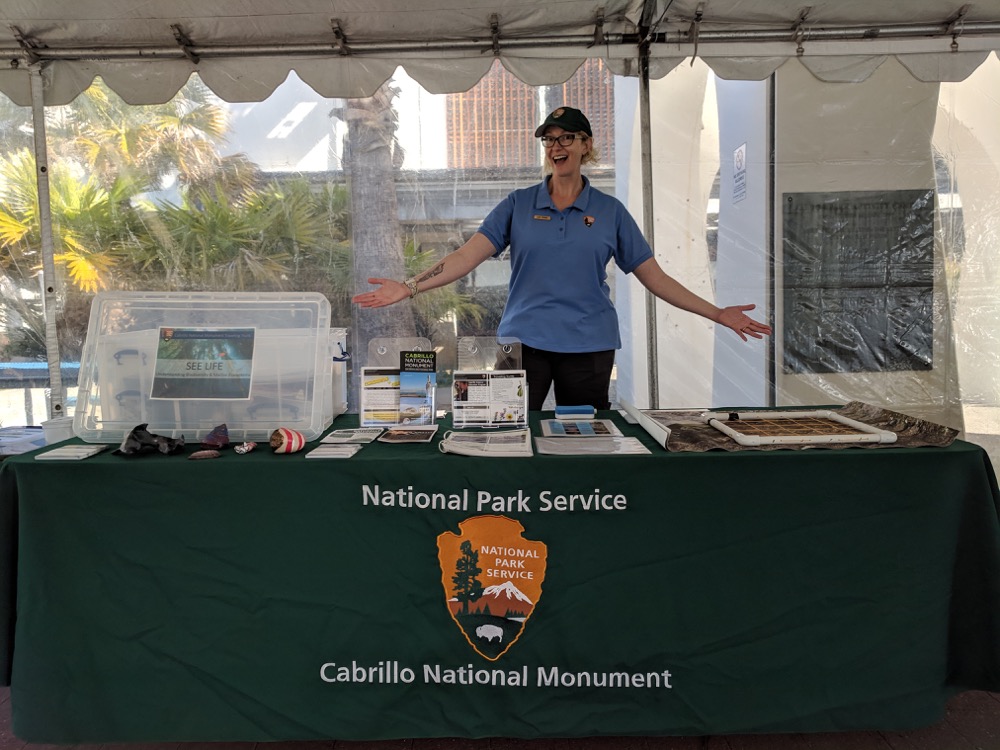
pixel 143 143
pixel 91 226
pixel 214 241
pixel 104 155
pixel 376 236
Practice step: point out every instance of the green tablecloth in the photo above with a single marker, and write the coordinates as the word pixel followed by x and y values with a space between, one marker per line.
pixel 163 599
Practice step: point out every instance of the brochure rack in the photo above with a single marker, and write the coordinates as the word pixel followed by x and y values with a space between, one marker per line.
pixel 379 386
pixel 487 353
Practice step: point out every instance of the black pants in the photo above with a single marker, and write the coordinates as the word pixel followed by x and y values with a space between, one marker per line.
pixel 579 378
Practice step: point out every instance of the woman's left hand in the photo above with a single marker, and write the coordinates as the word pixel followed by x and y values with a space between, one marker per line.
pixel 389 292
pixel 735 317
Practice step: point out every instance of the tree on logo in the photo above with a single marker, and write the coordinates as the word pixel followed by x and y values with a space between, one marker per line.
pixel 467 586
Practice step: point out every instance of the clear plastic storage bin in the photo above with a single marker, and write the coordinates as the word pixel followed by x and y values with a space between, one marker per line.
pixel 183 363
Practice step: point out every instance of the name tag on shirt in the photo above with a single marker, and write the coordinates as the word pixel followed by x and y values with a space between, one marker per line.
pixel 542 217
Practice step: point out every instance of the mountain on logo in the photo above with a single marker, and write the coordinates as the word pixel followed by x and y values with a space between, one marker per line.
pixel 503 600
pixel 506 591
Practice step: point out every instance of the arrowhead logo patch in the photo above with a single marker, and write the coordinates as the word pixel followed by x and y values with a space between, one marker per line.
pixel 492 578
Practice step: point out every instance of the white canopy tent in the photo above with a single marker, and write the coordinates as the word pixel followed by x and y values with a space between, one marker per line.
pixel 244 50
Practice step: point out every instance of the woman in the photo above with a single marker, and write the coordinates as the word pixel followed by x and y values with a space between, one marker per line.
pixel 561 234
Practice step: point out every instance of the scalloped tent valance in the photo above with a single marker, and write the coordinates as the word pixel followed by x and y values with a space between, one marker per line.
pixel 244 50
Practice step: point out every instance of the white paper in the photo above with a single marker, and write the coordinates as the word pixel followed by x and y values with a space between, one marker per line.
pixel 358 436
pixel 379 396
pixel 487 398
pixel 419 433
pixel 604 446
pixel 70 453
pixel 333 451
pixel 503 444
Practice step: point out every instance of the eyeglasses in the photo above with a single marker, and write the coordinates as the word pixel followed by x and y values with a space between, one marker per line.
pixel 565 140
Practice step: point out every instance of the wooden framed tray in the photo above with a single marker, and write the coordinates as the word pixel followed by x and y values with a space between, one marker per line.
pixel 756 428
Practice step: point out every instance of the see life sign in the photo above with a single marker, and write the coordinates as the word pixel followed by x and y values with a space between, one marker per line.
pixel 740 173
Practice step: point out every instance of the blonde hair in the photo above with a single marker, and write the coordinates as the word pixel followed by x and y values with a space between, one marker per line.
pixel 591 157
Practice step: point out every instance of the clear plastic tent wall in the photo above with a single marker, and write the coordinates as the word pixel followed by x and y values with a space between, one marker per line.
pixel 869 240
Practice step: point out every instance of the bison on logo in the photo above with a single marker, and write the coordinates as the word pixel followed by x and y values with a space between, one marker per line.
pixel 492 578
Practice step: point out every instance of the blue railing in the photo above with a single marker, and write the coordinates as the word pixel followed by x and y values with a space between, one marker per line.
pixel 35 374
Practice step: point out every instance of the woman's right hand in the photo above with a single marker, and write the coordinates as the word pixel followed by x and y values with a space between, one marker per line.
pixel 389 292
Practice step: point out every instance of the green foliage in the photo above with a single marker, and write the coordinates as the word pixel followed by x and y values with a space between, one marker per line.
pixel 88 222
pixel 142 143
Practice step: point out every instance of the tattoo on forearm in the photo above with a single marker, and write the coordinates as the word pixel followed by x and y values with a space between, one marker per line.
pixel 431 272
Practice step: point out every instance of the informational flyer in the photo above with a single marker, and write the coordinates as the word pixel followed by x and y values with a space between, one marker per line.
pixel 353 436
pixel 498 443
pixel 379 402
pixel 203 363
pixel 333 451
pixel 490 398
pixel 596 446
pixel 417 387
pixel 419 433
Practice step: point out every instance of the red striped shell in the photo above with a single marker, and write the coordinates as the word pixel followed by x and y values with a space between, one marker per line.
pixel 285 440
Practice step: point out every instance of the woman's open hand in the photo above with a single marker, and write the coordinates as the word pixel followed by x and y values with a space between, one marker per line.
pixel 389 292
pixel 735 317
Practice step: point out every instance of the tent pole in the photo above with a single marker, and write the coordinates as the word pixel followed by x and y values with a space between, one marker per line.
pixel 56 396
pixel 677 41
pixel 772 213
pixel 646 160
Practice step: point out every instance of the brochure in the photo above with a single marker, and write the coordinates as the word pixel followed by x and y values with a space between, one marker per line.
pixel 70 453
pixel 579 428
pixel 357 436
pixel 490 398
pixel 333 450
pixel 496 444
pixel 379 403
pixel 417 386
pixel 419 433
pixel 605 446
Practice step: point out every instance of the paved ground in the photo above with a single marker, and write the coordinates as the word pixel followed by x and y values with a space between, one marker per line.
pixel 972 723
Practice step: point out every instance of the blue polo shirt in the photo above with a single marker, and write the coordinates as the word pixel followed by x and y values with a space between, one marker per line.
pixel 559 299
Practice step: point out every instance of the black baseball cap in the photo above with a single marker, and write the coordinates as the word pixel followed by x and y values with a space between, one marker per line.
pixel 567 118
